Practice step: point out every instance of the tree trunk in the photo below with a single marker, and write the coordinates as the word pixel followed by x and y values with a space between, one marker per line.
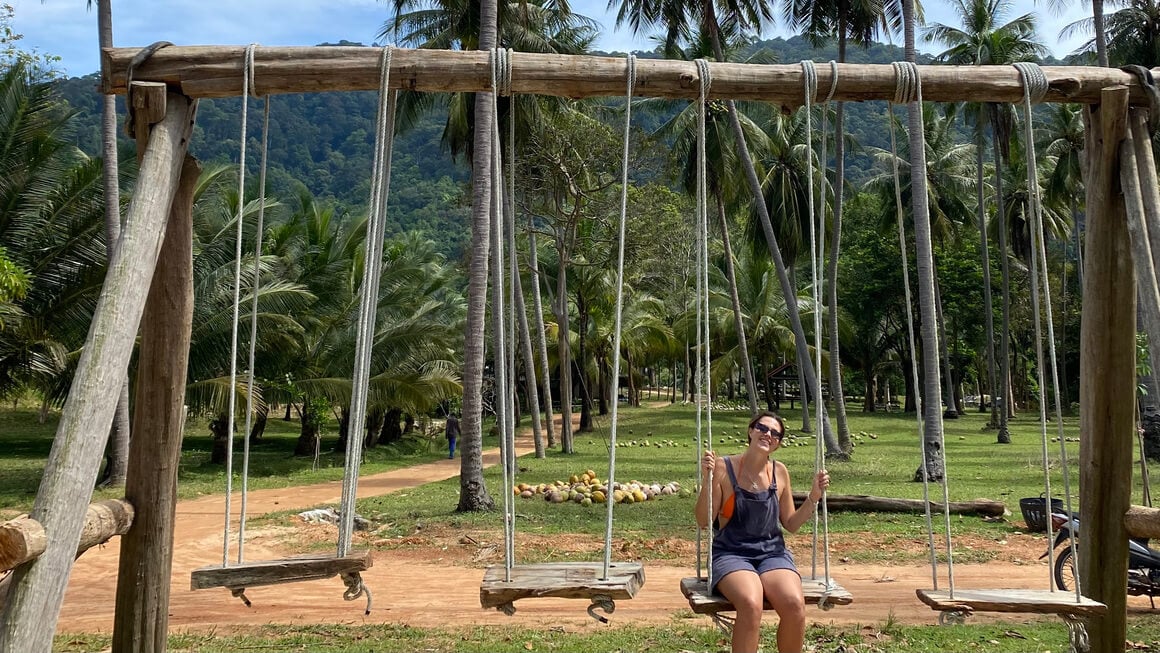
pixel 944 353
pixel 309 433
pixel 787 290
pixel 391 432
pixel 473 493
pixel 117 454
pixel 529 366
pixel 582 365
pixel 1101 38
pixel 738 320
pixel 1003 397
pixel 932 416
pixel 837 391
pixel 541 337
pixel 219 428
pixel 988 305
pixel 868 399
pixel 563 351
pixel 343 429
pixel 259 427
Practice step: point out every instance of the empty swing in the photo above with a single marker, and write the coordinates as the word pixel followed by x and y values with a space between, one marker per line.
pixel 345 563
pixel 600 583
pixel 821 591
pixel 955 605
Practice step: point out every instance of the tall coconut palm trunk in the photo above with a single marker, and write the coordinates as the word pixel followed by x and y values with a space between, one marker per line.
pixel 541 337
pixel 811 379
pixel 988 306
pixel 802 364
pixel 529 366
pixel 944 353
pixel 932 417
pixel 117 452
pixel 837 394
pixel 1004 387
pixel 564 355
pixel 738 321
pixel 473 493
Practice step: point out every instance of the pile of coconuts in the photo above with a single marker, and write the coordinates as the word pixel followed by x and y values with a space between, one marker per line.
pixel 586 488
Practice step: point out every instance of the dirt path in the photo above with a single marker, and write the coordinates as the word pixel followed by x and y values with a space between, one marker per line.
pixel 421 588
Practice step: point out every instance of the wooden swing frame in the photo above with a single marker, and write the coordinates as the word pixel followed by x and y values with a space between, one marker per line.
pixel 160 213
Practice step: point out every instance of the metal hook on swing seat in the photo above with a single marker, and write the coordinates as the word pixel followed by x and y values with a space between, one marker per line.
pixel 824 603
pixel 952 617
pixel 240 593
pixel 356 588
pixel 603 602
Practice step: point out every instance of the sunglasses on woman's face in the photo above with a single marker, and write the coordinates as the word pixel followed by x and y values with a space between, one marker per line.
pixel 762 428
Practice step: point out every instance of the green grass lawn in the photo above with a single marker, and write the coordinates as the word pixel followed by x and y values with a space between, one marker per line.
pixel 687 634
pixel 885 458
pixel 24 446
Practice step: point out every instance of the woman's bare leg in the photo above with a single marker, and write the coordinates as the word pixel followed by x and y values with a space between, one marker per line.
pixel 783 590
pixel 744 590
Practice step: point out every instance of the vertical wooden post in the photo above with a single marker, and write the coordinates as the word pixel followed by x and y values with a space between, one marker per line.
pixel 141 623
pixel 1108 382
pixel 28 620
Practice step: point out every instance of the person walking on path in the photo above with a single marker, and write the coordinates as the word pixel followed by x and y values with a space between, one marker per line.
pixel 452 433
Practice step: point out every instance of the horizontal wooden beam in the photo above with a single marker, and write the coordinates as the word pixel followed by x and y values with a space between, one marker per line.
pixel 1140 521
pixel 216 71
pixel 23 538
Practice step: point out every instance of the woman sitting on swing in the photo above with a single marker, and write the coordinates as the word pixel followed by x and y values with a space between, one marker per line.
pixel 752 502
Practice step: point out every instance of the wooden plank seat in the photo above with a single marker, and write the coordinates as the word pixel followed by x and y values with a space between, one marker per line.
pixel 1011 600
pixel 568 580
pixel 286 570
pixel 696 590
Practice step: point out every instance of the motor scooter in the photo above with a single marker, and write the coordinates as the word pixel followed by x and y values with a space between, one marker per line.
pixel 1143 561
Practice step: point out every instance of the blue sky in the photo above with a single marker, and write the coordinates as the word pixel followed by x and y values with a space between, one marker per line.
pixel 66 29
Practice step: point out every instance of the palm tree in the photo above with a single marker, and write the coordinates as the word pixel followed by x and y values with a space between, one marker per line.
pixel 462 24
pixel 1062 140
pixel 720 165
pixel 117 455
pixel 860 22
pixel 983 40
pixel 1131 34
pixel 51 232
pixel 679 21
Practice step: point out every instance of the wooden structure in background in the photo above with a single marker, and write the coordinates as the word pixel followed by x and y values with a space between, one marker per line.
pixel 28 621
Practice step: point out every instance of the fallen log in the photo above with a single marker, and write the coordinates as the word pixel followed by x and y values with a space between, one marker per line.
pixel 866 503
pixel 23 539
pixel 1142 522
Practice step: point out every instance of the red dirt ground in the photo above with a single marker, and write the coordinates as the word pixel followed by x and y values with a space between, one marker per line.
pixel 429 579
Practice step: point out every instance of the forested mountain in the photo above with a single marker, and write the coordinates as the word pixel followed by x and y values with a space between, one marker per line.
pixel 323 142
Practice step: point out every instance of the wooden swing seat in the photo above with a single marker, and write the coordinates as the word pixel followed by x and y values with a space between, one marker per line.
pixel 568 580
pixel 1009 600
pixel 275 572
pixel 696 590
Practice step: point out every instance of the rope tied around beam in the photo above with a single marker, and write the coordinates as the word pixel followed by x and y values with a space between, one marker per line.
pixel 1034 81
pixel 501 62
pixel 251 77
pixel 138 59
pixel 906 82
pixel 810 82
pixel 833 82
pixel 1148 83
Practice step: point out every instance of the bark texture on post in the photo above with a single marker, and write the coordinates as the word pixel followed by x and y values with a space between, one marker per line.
pixel 1108 358
pixel 28 621
pixel 141 624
